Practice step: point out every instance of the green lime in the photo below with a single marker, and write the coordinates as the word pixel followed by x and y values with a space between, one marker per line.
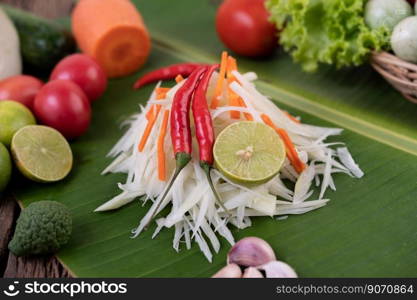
pixel 13 116
pixel 41 153
pixel 5 167
pixel 249 152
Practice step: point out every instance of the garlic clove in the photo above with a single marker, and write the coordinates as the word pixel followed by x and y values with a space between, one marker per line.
pixel 278 269
pixel 252 272
pixel 251 252
pixel 229 271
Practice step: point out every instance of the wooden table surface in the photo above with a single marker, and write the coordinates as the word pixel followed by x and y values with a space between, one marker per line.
pixel 10 265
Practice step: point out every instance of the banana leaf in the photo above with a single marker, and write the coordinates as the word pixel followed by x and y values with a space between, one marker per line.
pixel 367 230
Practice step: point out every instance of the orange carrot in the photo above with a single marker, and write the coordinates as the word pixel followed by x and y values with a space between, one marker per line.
pixel 234 101
pixel 231 66
pixel 150 112
pixel 291 152
pixel 298 165
pixel 113 33
pixel 161 93
pixel 248 116
pixel 291 117
pixel 179 78
pixel 161 148
pixel 219 85
pixel 233 98
pixel 267 120
pixel 148 129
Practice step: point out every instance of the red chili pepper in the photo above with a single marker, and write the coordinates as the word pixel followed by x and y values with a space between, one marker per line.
pixel 202 119
pixel 181 128
pixel 204 129
pixel 166 73
pixel 180 114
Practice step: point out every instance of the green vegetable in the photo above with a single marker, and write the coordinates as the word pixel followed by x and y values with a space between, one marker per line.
pixel 386 13
pixel 42 228
pixel 326 31
pixel 42 43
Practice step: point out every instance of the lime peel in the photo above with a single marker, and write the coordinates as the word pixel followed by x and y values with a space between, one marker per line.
pixel 42 153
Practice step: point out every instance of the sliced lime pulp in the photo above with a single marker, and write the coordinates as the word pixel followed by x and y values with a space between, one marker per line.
pixel 42 153
pixel 249 152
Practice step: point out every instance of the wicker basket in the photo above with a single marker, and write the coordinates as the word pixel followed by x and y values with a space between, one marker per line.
pixel 401 74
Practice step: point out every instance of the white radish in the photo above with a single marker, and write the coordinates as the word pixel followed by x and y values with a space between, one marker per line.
pixel 191 206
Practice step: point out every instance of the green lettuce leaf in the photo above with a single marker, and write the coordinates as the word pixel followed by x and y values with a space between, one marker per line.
pixel 326 31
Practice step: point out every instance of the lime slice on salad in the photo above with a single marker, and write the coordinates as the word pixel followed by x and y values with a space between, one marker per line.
pixel 249 152
pixel 41 153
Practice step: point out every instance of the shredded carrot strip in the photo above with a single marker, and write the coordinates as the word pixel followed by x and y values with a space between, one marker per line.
pixel 292 154
pixel 234 101
pixel 219 85
pixel 291 117
pixel 248 116
pixel 231 66
pixel 150 112
pixel 298 165
pixel 148 129
pixel 151 116
pixel 179 78
pixel 267 120
pixel 161 148
pixel 233 98
pixel 161 93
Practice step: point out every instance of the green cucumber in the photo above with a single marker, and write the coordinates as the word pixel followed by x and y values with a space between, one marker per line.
pixel 42 42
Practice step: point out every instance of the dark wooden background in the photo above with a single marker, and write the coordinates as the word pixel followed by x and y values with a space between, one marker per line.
pixel 10 265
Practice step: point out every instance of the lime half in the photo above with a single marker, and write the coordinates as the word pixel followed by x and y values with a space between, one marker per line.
pixel 249 152
pixel 41 153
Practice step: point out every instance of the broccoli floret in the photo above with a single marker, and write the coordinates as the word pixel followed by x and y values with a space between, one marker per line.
pixel 42 228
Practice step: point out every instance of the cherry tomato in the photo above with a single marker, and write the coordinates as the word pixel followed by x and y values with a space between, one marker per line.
pixel 62 104
pixel 85 72
pixel 243 26
pixel 20 88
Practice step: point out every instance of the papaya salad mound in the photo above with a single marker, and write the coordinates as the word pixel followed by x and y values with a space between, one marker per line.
pixel 237 156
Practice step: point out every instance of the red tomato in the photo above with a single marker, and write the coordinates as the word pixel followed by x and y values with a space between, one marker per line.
pixel 62 105
pixel 20 88
pixel 85 72
pixel 243 26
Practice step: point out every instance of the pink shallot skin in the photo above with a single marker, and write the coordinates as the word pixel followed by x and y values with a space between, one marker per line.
pixel 229 271
pixel 251 252
pixel 254 255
